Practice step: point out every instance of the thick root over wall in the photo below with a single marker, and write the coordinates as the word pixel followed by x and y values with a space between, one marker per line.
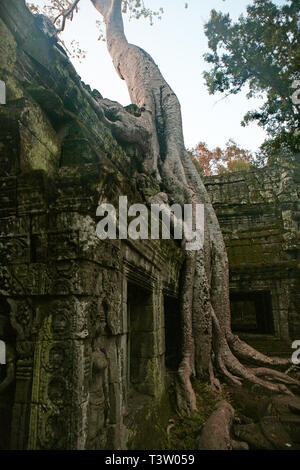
pixel 208 343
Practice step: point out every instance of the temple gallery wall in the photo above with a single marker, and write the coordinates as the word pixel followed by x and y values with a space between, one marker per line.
pixel 93 328
pixel 259 213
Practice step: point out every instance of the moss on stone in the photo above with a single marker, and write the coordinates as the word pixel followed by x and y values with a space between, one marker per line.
pixel 40 145
pixel 150 425
pixel 186 430
pixel 8 57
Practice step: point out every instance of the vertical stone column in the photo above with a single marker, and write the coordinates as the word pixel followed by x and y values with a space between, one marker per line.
pixel 280 302
pixel 60 373
pixel 2 92
pixel 147 344
pixel 160 348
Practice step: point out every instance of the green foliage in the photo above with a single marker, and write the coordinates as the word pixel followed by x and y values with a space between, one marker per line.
pixel 61 11
pixel 261 51
pixel 137 9
pixel 240 165
pixel 220 161
pixel 283 149
pixel 55 9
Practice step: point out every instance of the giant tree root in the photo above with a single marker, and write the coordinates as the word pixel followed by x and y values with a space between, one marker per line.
pixel 208 345
pixel 268 434
pixel 235 373
pixel 215 434
pixel 250 355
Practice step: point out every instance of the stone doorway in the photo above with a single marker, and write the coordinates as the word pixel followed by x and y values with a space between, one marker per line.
pixel 140 336
pixel 251 312
pixel 173 338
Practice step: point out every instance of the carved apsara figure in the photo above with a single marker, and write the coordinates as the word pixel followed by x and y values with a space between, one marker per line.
pixel 98 397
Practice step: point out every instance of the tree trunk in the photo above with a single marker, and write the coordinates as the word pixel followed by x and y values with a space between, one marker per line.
pixel 208 343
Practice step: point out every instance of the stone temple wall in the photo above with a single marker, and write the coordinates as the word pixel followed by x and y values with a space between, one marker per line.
pixel 83 319
pixel 91 326
pixel 259 213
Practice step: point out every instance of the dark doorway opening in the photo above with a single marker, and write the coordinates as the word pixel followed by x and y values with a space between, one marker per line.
pixel 7 374
pixel 172 333
pixel 251 312
pixel 140 335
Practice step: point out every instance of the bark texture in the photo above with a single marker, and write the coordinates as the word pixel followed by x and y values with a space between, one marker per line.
pixel 208 342
pixel 216 432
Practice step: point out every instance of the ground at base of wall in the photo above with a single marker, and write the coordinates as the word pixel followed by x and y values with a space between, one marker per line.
pixel 147 419
pixel 264 421
pixel 184 431
pixel 155 424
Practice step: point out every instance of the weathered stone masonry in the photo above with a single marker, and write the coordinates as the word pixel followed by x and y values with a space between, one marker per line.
pixel 92 326
pixel 259 213
pixel 81 360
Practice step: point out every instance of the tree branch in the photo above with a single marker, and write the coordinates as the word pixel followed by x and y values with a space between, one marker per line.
pixel 66 14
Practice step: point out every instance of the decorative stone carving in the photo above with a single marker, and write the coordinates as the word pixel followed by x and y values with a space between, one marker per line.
pixel 60 319
pixel 98 398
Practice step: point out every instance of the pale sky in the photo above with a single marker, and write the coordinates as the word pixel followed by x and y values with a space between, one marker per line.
pixel 177 44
